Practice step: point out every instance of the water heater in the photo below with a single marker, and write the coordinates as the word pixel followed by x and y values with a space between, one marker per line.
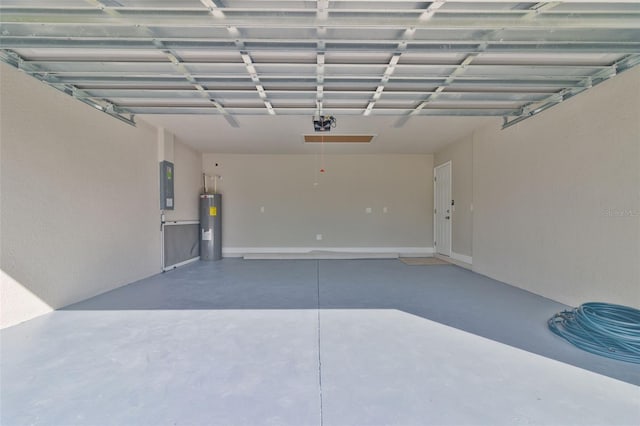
pixel 210 227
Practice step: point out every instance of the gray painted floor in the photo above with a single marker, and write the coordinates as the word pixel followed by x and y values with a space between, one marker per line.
pixel 331 342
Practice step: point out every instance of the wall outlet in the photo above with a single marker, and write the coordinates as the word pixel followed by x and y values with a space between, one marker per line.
pixel 261 209
pixel 367 210
pixel 318 237
pixel 385 210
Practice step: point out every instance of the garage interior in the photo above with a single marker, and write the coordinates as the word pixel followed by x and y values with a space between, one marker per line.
pixel 481 173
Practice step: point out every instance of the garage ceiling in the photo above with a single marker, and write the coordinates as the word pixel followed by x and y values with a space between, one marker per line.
pixel 399 59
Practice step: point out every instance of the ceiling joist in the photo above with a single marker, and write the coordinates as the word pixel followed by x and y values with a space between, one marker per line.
pixel 352 57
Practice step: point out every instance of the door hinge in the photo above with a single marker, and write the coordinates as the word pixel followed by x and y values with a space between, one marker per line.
pixel 435 179
pixel 435 243
pixel 435 211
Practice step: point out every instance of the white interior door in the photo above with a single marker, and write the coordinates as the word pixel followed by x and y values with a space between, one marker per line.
pixel 442 212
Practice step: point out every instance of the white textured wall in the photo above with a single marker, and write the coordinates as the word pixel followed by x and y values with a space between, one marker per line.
pixel 80 204
pixel 296 209
pixel 460 154
pixel 557 198
pixel 187 184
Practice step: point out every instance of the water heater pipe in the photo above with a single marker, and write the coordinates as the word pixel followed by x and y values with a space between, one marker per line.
pixel 215 182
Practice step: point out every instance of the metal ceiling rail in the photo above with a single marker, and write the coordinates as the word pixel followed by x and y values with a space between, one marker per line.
pixel 490 82
pixel 46 34
pixel 293 75
pixel 531 13
pixel 114 111
pixel 616 8
pixel 568 2
pixel 321 34
pixel 472 21
pixel 536 75
pixel 407 36
pixel 336 105
pixel 461 68
pixel 251 69
pixel 171 56
pixel 100 63
pixel 156 93
pixel 354 46
pixel 250 57
pixel 456 112
pixel 535 108
pixel 125 101
pixel 214 10
pixel 220 9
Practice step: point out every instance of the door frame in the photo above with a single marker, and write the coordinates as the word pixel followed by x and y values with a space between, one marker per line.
pixel 435 183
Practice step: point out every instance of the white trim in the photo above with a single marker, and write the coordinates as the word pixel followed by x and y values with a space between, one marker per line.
pixel 162 241
pixel 433 214
pixel 462 258
pixel 186 262
pixel 450 164
pixel 455 261
pixel 402 251
pixel 181 222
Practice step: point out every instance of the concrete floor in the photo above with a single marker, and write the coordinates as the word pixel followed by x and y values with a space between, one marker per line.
pixel 332 342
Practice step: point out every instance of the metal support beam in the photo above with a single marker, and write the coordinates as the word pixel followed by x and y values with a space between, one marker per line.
pixel 391 66
pixel 378 57
pixel 13 59
pixel 431 10
pixel 251 69
pixel 356 111
pixel 534 108
pixel 534 12
pixel 544 44
pixel 214 7
pixel 171 55
pixel 461 68
pixel 323 10
pixel 320 82
pixel 472 20
pixel 409 34
pixel 321 32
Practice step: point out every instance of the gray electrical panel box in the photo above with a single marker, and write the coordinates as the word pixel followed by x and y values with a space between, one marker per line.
pixel 166 185
pixel 210 227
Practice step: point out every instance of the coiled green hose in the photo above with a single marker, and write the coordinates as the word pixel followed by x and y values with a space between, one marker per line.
pixel 604 329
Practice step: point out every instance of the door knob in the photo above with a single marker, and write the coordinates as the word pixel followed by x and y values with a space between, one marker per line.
pixel 447 217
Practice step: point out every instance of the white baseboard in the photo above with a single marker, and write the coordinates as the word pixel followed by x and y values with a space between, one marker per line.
pixel 462 258
pixel 402 251
pixel 457 259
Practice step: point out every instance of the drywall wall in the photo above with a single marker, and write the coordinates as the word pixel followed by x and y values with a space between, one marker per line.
pixel 187 182
pixel 460 153
pixel 557 198
pixel 300 202
pixel 80 203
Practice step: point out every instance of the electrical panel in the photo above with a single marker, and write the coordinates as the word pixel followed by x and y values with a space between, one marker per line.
pixel 166 185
